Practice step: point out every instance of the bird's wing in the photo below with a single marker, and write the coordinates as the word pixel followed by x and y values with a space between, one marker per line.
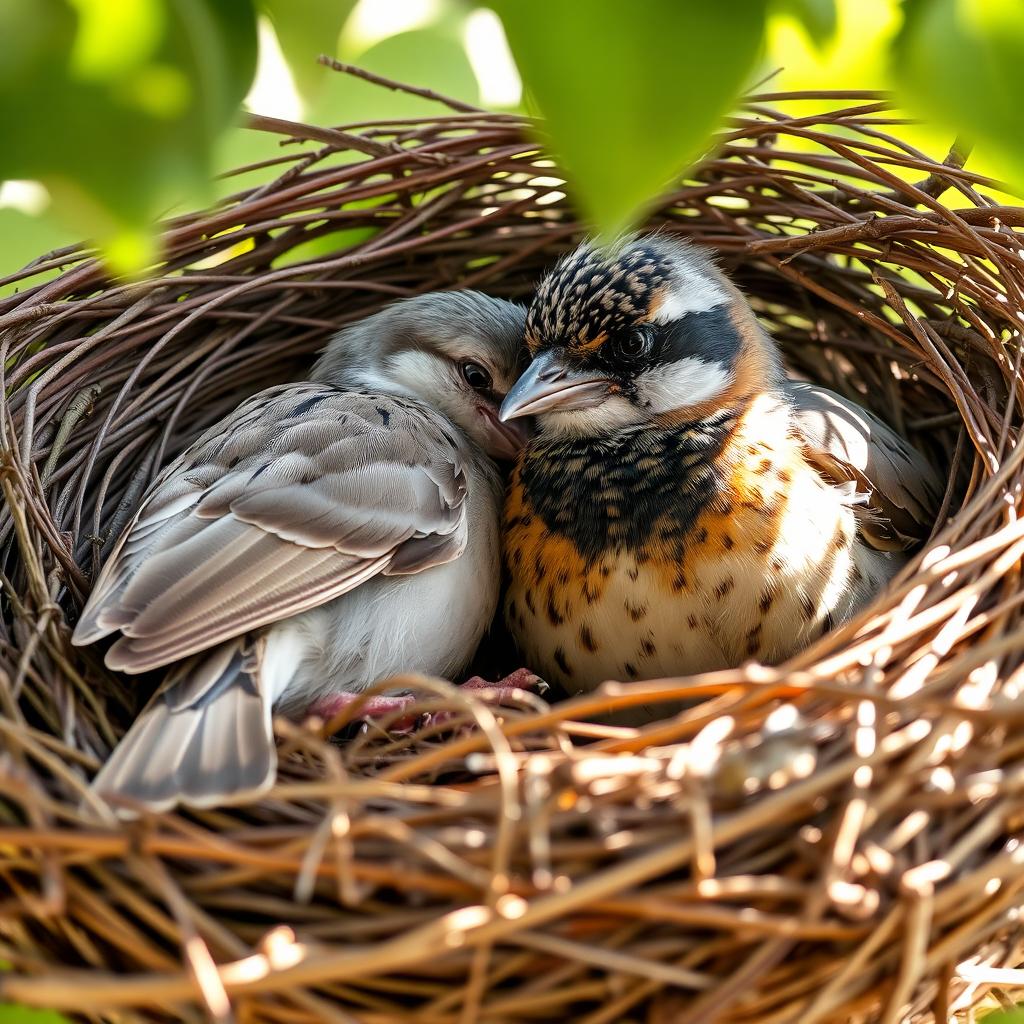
pixel 298 496
pixel 845 442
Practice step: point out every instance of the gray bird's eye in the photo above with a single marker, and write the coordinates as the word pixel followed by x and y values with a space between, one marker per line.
pixel 476 376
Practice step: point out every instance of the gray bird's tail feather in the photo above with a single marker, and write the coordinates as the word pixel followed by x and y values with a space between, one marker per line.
pixel 206 737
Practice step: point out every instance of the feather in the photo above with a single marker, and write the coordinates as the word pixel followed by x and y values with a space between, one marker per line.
pixel 847 443
pixel 297 497
pixel 205 736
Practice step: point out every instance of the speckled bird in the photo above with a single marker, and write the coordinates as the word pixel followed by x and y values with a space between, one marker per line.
pixel 323 536
pixel 683 505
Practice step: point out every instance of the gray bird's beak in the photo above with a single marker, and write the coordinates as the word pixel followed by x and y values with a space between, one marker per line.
pixel 504 440
pixel 549 383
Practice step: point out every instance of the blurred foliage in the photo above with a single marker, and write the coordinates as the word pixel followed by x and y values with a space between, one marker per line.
pixel 115 105
pixel 125 109
pixel 305 27
pixel 433 55
pixel 1004 1017
pixel 12 1014
pixel 958 62
pixel 624 109
pixel 818 18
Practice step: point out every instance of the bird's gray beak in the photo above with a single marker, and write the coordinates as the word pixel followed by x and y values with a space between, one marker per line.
pixel 549 383
pixel 503 440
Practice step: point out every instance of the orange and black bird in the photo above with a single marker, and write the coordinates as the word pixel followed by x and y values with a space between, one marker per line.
pixel 683 506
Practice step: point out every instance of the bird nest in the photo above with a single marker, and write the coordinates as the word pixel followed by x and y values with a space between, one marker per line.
pixel 833 839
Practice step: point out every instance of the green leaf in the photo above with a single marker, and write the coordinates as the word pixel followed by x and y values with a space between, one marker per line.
pixel 15 1013
pixel 433 56
pixel 305 29
pixel 818 17
pixel 631 96
pixel 322 246
pixel 1004 1017
pixel 12 1013
pixel 958 63
pixel 26 237
pixel 116 107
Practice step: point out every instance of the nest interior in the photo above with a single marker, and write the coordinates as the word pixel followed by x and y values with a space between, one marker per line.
pixel 833 839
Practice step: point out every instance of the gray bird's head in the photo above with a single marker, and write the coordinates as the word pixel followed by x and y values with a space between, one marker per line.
pixel 650 331
pixel 458 352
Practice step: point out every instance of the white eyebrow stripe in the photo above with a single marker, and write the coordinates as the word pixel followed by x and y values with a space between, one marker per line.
pixel 694 294
pixel 685 382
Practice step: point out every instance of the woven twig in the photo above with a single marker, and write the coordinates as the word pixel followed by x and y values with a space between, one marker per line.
pixel 821 841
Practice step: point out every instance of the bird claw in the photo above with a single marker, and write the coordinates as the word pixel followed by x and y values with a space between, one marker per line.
pixel 521 679
pixel 373 708
pixel 500 693
pixel 385 706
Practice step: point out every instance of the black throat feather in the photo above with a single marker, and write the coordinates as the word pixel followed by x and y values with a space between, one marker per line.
pixel 633 490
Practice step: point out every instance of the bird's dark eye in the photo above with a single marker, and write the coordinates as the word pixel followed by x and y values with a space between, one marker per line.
pixel 635 344
pixel 476 376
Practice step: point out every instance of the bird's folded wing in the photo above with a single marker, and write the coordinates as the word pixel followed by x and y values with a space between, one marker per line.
pixel 298 496
pixel 847 443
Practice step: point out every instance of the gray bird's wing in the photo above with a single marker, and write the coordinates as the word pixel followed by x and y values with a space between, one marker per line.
pixel 296 497
pixel 845 442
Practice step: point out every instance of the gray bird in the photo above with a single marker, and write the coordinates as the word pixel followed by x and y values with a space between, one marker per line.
pixel 320 538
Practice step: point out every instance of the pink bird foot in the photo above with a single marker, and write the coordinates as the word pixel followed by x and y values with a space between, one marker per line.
pixel 521 679
pixel 380 706
pixel 384 706
pixel 500 693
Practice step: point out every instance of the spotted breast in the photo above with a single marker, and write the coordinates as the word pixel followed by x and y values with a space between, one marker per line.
pixel 665 552
pixel 684 506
